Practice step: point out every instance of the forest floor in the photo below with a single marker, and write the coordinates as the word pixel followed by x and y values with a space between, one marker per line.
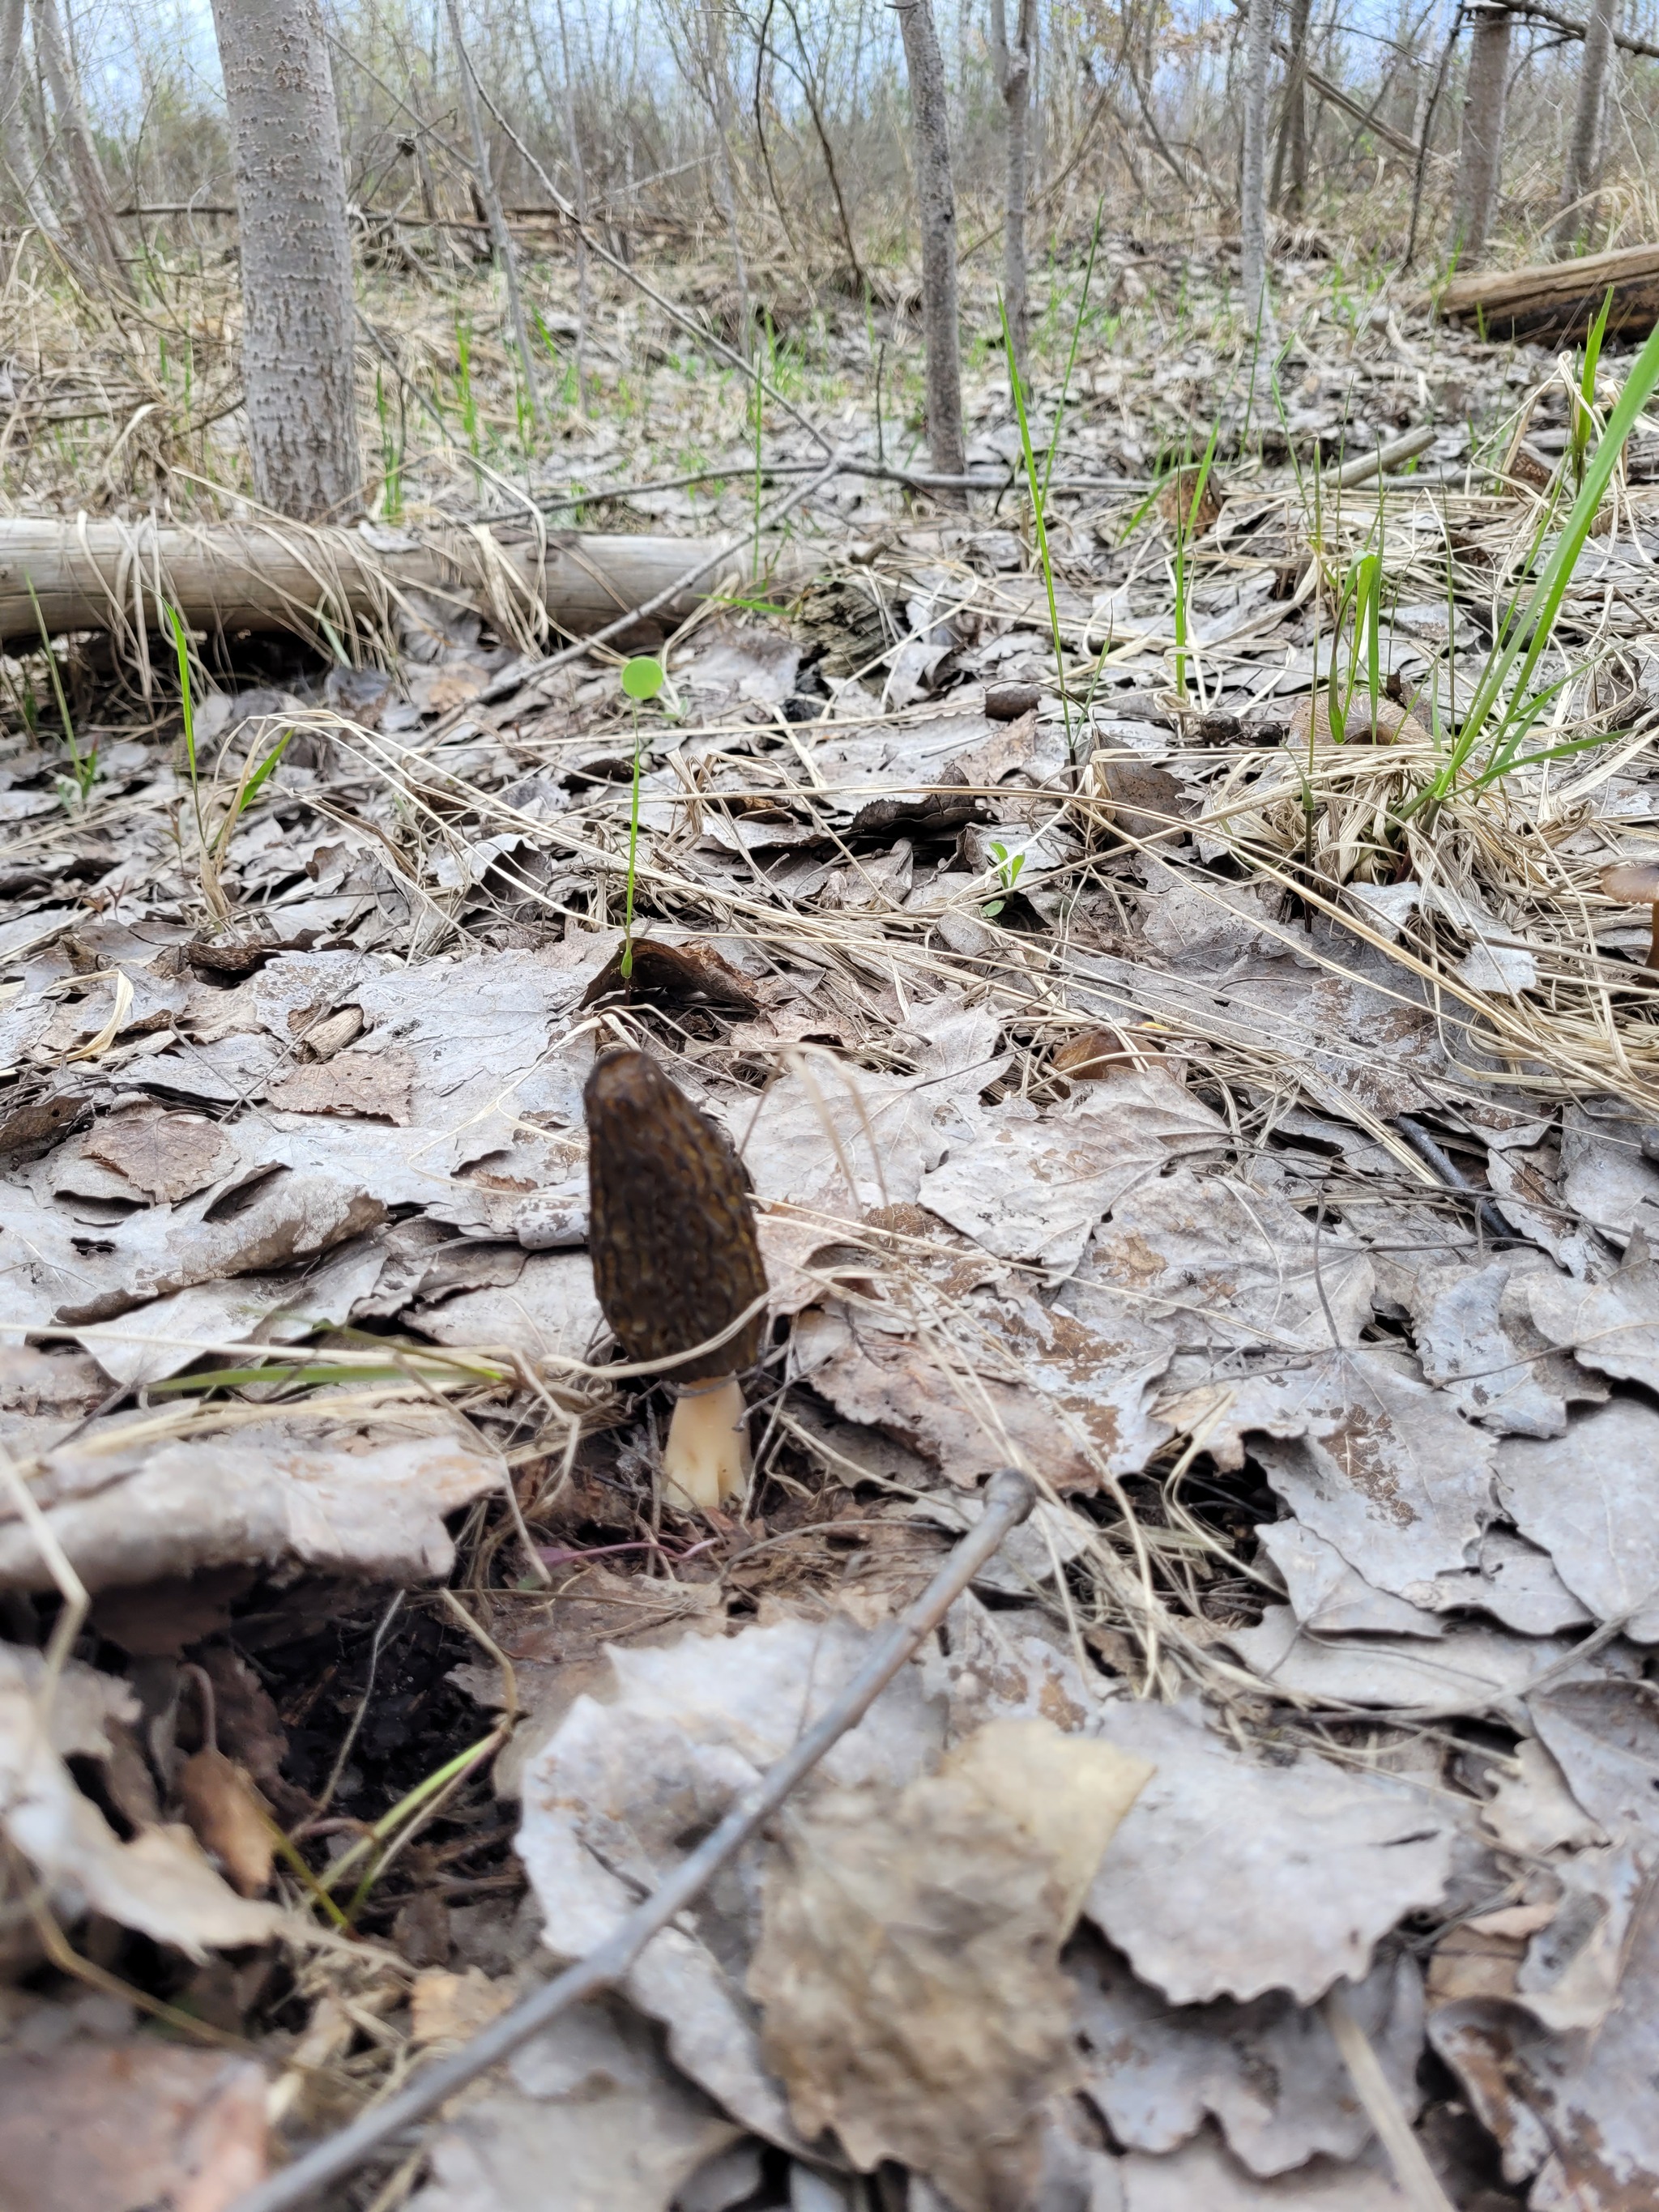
pixel 1177 1047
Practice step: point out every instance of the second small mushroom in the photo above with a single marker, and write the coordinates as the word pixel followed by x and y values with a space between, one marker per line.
pixel 676 1263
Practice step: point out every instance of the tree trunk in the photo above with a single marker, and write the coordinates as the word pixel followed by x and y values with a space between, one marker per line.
pixel 1253 180
pixel 1292 148
pixel 1481 156
pixel 1584 152
pixel 721 105
pixel 500 238
pixel 578 169
pixel 1014 71
pixel 297 303
pixel 75 134
pixel 936 207
pixel 14 150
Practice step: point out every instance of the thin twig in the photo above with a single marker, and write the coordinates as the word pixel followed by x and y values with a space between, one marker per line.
pixel 1412 2170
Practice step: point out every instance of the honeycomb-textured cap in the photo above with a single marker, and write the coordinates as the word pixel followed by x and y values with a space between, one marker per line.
pixel 671 1236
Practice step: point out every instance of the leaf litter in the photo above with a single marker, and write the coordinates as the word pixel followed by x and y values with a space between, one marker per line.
pixel 1141 1087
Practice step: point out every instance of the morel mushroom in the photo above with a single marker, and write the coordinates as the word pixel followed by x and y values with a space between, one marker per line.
pixel 1636 883
pixel 675 1262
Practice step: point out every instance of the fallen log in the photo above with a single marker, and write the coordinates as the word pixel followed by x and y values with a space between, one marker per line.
pixel 231 578
pixel 1554 302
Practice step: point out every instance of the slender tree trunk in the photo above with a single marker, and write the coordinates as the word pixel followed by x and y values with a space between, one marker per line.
pixel 1292 148
pixel 1013 68
pixel 75 133
pixel 578 169
pixel 298 334
pixel 723 107
pixel 1252 179
pixel 936 207
pixel 1480 156
pixel 499 236
pixel 1584 152
pixel 14 149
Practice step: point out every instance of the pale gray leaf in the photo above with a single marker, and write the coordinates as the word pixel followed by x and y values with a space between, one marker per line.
pixel 1330 1597
pixel 255 1498
pixel 1387 1471
pixel 1588 1498
pixel 1465 1671
pixel 1612 1325
pixel 1202 2174
pixel 1267 2071
pixel 1477 1338
pixel 1009 1372
pixel 1229 1879
pixel 1574 2111
pixel 1034 1190
pixel 1220 1263
pixel 591 2116
pixel 1602 1731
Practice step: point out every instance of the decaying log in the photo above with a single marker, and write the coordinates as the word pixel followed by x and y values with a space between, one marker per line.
pixel 233 578
pixel 1556 302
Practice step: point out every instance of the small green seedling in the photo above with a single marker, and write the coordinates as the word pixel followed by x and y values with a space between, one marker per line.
pixel 642 677
pixel 1008 867
pixel 1583 420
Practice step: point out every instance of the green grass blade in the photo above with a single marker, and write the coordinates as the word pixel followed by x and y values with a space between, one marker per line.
pixel 1529 637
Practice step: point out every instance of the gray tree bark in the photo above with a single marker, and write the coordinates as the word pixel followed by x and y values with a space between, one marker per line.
pixel 936 204
pixel 14 149
pixel 92 193
pixel 500 238
pixel 723 109
pixel 1584 152
pixel 580 168
pixel 1253 180
pixel 1293 127
pixel 298 334
pixel 1013 66
pixel 1481 153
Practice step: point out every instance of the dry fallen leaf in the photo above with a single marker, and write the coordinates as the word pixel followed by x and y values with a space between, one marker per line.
pixel 908 1964
pixel 1602 1732
pixel 1217 1262
pixel 1200 2176
pixel 165 1155
pixel 372 1505
pixel 1574 2111
pixel 158 1881
pixel 590 2117
pixel 1587 1498
pixel 1034 1190
pixel 1267 2071
pixel 1612 1325
pixel 617 1797
pixel 1229 1879
pixel 1477 1337
pixel 127 2127
pixel 376 1086
pixel 229 1819
pixel 1009 1377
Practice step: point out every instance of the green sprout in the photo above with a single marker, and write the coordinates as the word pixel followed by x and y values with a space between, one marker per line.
pixel 1008 867
pixel 642 677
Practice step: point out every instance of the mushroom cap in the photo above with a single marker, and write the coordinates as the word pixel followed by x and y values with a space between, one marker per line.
pixel 671 1233
pixel 1635 883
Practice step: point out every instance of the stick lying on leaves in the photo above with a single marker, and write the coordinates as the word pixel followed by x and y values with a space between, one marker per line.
pixel 1008 1498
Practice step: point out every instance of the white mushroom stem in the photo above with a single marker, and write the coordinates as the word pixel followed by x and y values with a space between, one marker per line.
pixel 705 1459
